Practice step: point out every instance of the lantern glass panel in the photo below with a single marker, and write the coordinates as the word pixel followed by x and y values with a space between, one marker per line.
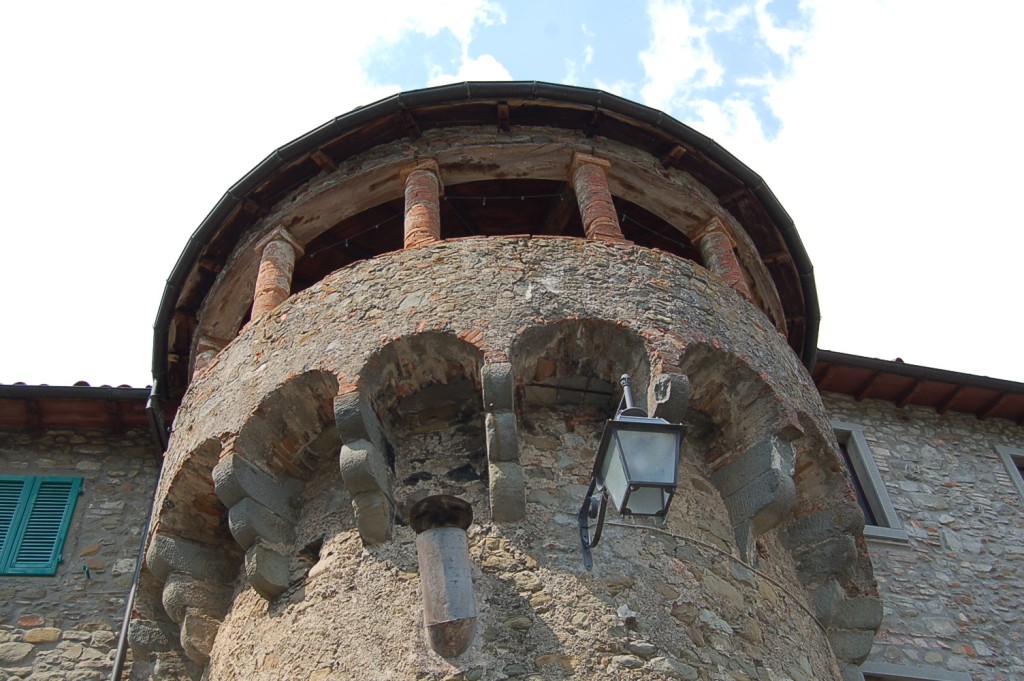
pixel 613 475
pixel 647 501
pixel 650 456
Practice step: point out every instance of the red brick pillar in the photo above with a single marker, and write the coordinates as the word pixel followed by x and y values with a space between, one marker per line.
pixel 422 204
pixel 595 199
pixel 274 281
pixel 206 349
pixel 716 248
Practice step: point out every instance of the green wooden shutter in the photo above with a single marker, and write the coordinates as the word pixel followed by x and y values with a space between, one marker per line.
pixel 13 498
pixel 36 548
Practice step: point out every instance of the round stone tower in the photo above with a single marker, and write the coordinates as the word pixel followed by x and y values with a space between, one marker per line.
pixel 385 360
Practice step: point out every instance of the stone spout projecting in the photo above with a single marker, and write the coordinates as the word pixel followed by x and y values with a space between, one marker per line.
pixel 449 610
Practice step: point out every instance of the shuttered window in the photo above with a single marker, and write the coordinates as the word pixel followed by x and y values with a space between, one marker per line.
pixel 35 514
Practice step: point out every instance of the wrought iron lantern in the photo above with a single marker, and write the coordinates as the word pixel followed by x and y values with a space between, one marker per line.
pixel 637 468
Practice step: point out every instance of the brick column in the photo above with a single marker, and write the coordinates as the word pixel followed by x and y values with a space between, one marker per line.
pixel 206 349
pixel 716 248
pixel 588 177
pixel 422 204
pixel 277 263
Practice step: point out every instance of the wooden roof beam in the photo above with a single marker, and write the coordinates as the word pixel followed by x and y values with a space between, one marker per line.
pixel 325 162
pixel 460 212
pixel 560 213
pixel 862 391
pixel 673 155
pixel 823 377
pixel 412 128
pixel 116 418
pixel 503 124
pixel 992 405
pixel 33 414
pixel 947 402
pixel 903 399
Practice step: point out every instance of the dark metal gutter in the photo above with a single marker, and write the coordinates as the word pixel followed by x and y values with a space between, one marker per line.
pixel 20 391
pixel 483 90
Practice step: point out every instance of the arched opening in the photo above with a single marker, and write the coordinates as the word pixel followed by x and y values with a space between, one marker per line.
pixel 426 391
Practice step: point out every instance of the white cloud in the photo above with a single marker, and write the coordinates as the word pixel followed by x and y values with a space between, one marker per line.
pixel 679 60
pixel 782 41
pixel 484 67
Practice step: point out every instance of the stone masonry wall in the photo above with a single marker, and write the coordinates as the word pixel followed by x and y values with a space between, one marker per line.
pixel 66 626
pixel 664 600
pixel 255 451
pixel 953 597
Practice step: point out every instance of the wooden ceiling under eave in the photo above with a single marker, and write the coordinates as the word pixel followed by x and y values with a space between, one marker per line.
pixel 902 384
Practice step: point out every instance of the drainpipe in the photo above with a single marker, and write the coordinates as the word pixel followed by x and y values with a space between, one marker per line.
pixel 119 658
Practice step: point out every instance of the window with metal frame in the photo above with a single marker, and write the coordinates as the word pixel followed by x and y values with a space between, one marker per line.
pixel 35 514
pixel 880 518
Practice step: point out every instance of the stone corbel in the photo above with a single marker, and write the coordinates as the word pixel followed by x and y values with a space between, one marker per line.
pixel 261 518
pixel 196 590
pixel 758 490
pixel 364 471
pixel 506 480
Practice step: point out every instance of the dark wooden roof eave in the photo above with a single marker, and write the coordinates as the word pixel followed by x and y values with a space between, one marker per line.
pixel 278 173
pixel 909 384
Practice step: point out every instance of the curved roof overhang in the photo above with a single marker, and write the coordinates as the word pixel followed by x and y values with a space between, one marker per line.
pixel 739 189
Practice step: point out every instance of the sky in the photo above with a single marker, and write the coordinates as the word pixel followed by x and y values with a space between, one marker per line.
pixel 890 130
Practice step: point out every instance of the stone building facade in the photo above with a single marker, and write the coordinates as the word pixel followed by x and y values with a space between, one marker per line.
pixel 435 296
pixel 67 625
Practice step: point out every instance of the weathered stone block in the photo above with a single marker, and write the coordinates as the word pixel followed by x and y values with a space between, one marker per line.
pixel 826 599
pixel 184 592
pixel 174 665
pixel 502 436
pixel 356 420
pixel 845 518
pixel 267 570
pixel 770 454
pixel 765 501
pixel 862 612
pixel 170 554
pixel 198 632
pixel 498 386
pixel 363 468
pixel 669 397
pixel 147 637
pixel 249 520
pixel 508 491
pixel 835 558
pixel 234 478
pixel 374 517
pixel 852 645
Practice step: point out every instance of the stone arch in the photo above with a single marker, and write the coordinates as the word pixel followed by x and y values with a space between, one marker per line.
pixel 292 427
pixel 578 362
pixel 426 392
pixel 732 404
pixel 191 510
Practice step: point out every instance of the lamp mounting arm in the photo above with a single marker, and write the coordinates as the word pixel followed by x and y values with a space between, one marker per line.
pixel 591 508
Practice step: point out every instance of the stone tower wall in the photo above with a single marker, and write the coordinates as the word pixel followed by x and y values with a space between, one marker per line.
pixel 483 368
